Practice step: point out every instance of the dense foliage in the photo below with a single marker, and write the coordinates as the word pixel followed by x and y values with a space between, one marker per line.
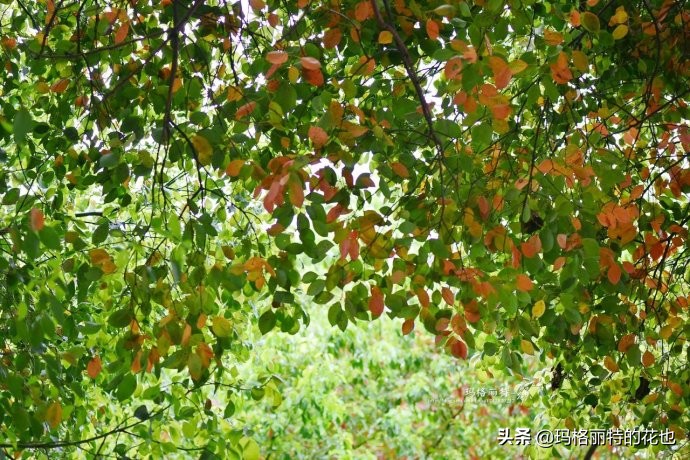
pixel 511 176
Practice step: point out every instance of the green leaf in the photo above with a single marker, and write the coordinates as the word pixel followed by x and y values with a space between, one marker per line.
pixel 590 22
pixel 126 387
pixel 23 124
pixel 267 321
pixel 120 318
pixel 221 326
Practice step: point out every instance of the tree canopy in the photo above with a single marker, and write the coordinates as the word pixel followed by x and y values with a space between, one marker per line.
pixel 510 176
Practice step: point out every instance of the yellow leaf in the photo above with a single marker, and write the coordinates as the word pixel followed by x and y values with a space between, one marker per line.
pixel 293 74
pixel 234 93
pixel 177 84
pixel 527 347
pixel 538 309
pixel 221 326
pixel 517 66
pixel 580 61
pixel 99 256
pixel 620 17
pixel 385 37
pixel 553 38
pixel 666 332
pixel 203 149
pixel 620 32
pixel 108 267
pixel 54 414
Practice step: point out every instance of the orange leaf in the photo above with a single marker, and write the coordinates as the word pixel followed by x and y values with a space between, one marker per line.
pixel 647 359
pixel 245 110
pixel 614 273
pixel 523 283
pixel 448 296
pixel 531 247
pixel 483 204
pixel 318 136
pixel 423 297
pixel 453 68
pixel 626 342
pixel 136 363
pixel 233 169
pixel 310 63
pixel 331 38
pixel 559 70
pixel 562 240
pixel 501 71
pixel 400 169
pixel 313 77
pixel 553 38
pixel 60 86
pixel 54 414
pixel 121 33
pixel 376 301
pixel 201 321
pixel 610 364
pixel 36 219
pixel 277 57
pixel 407 326
pixel 296 193
pixel 186 334
pixel 363 10
pixel 432 29
pixel 94 367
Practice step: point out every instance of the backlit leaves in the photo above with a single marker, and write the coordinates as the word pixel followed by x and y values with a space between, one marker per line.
pixel 513 180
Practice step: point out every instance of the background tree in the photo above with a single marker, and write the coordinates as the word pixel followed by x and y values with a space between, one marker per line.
pixel 511 176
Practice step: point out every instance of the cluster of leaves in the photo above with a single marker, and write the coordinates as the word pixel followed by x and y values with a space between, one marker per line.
pixel 512 176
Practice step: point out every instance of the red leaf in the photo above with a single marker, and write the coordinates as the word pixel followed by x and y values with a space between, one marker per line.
pixel 458 349
pixel 344 248
pixel 376 301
